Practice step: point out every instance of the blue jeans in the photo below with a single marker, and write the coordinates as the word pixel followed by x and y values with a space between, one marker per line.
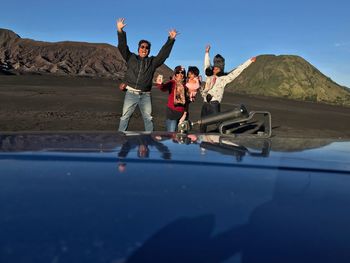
pixel 131 100
pixel 171 125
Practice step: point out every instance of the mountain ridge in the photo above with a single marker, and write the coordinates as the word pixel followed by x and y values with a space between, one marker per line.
pixel 26 56
pixel 286 76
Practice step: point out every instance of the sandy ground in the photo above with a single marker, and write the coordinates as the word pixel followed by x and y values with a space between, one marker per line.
pixel 46 103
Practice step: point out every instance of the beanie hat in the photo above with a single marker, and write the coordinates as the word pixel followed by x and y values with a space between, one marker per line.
pixel 219 62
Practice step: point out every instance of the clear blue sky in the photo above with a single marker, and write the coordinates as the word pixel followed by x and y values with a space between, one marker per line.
pixel 318 31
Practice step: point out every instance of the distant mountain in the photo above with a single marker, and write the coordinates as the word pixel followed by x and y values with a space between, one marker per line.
pixel 289 77
pixel 284 76
pixel 27 56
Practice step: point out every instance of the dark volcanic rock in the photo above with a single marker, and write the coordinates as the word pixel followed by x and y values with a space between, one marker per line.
pixel 27 56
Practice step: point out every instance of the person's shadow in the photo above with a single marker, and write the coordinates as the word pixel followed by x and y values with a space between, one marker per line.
pixel 301 223
pixel 188 240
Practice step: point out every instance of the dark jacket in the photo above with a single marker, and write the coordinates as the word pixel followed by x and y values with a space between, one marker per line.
pixel 140 71
pixel 170 87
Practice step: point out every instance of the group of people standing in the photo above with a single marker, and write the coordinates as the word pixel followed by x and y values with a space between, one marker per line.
pixel 182 88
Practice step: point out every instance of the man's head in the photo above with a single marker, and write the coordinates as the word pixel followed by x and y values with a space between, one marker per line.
pixel 143 151
pixel 144 48
pixel 121 167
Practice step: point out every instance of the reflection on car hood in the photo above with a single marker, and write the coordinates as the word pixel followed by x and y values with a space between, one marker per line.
pixel 190 149
pixel 167 197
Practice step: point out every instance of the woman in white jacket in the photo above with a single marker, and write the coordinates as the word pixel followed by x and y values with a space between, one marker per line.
pixel 215 83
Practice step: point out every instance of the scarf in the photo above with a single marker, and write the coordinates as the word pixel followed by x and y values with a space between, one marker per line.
pixel 179 94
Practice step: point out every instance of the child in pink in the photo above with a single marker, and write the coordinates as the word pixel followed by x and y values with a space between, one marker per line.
pixel 193 82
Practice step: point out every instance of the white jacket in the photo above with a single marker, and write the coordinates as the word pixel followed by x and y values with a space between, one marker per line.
pixel 215 85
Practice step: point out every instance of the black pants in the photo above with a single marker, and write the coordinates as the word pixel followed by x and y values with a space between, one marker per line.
pixel 208 108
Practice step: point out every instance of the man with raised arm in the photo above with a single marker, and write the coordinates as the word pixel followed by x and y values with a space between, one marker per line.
pixel 138 78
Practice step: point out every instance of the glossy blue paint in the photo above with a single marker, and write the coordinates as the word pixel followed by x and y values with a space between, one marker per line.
pixel 189 198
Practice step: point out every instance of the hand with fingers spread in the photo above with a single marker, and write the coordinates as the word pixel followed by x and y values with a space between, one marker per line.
pixel 120 24
pixel 173 33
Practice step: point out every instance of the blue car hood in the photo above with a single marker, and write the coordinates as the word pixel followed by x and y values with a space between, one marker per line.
pixel 167 197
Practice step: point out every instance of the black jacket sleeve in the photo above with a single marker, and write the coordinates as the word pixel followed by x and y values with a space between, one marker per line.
pixel 164 52
pixel 122 46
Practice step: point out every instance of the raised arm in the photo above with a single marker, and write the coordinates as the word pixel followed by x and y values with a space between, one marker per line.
pixel 206 58
pixel 173 33
pixel 124 150
pixel 165 86
pixel 237 71
pixel 207 87
pixel 164 52
pixel 122 43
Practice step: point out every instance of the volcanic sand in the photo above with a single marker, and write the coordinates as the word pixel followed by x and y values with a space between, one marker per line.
pixel 52 103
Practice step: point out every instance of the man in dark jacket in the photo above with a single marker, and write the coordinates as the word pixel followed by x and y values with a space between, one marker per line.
pixel 139 76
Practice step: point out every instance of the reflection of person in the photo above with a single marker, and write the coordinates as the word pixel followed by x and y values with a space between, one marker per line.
pixel 142 143
pixel 181 138
pixel 185 138
pixel 193 82
pixel 177 106
pixel 215 83
pixel 121 167
pixel 139 75
pixel 142 152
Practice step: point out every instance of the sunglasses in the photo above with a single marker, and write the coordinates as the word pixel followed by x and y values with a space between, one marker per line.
pixel 180 72
pixel 144 47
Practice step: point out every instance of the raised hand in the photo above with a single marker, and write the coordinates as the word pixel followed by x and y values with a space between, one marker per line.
pixel 159 79
pixel 207 48
pixel 120 24
pixel 122 86
pixel 182 119
pixel 173 33
pixel 253 59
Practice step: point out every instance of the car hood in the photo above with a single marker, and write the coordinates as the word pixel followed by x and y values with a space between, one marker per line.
pixel 167 197
pixel 163 148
